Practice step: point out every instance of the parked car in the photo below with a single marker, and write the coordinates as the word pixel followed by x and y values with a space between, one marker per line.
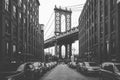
pixel 44 67
pixel 72 64
pixel 90 67
pixel 79 66
pixel 47 66
pixel 52 64
pixel 24 71
pixel 28 69
pixel 8 69
pixel 37 69
pixel 110 71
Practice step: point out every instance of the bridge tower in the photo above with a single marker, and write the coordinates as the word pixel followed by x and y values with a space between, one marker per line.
pixel 58 15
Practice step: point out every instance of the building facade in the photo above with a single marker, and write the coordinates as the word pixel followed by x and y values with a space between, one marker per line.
pixel 99 30
pixel 21 38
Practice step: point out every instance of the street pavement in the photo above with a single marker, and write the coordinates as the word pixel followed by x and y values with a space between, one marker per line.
pixel 63 72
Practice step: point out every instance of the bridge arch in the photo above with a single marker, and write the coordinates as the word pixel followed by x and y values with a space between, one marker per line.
pixel 63 51
pixel 63 29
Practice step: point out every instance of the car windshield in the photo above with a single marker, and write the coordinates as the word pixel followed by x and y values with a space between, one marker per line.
pixel 93 64
pixel 118 66
pixel 21 67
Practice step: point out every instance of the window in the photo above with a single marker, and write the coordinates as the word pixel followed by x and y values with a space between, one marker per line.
pixel 30 4
pixel 113 46
pixel 21 34
pixel 118 67
pixel 101 2
pixel 7 26
pixel 95 27
pixel 113 24
pixel 33 19
pixel 14 48
pixel 35 22
pixel 112 3
pixel 6 4
pixel 101 14
pixel 33 9
pixel 109 68
pixel 96 39
pixel 92 30
pixel 35 13
pixel 20 15
pixel 106 7
pixel 7 47
pixel 24 8
pixel 30 17
pixel 93 64
pixel 24 20
pixel 106 28
pixel 35 4
pixel 28 12
pixel 101 30
pixel 19 3
pixel 14 11
pixel 14 30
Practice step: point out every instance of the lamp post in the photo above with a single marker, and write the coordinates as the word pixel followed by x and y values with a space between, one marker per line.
pixel 72 57
pixel 87 55
pixel 107 46
pixel 73 50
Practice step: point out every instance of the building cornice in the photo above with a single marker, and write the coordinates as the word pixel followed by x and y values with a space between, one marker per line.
pixel 38 2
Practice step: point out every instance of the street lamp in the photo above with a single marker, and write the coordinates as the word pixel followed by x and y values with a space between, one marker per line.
pixel 19 52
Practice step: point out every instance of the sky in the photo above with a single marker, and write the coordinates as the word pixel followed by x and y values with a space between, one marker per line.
pixel 46 14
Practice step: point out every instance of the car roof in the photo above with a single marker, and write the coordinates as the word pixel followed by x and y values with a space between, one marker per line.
pixel 112 63
pixel 89 62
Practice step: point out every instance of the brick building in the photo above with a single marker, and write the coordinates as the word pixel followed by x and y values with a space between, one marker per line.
pixel 21 37
pixel 99 32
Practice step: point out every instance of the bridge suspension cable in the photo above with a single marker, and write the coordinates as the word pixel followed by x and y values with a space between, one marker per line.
pixel 75 5
pixel 50 34
pixel 76 8
pixel 50 26
pixel 48 22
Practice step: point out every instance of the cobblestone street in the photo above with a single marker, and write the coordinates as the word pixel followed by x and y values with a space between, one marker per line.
pixel 63 72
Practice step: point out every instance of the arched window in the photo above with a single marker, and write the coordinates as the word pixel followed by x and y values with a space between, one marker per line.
pixel 63 25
